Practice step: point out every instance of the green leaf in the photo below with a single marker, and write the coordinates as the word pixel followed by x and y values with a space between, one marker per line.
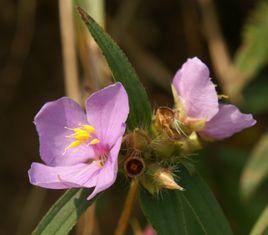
pixel 253 53
pixel 261 225
pixel 64 214
pixel 194 211
pixel 256 168
pixel 140 109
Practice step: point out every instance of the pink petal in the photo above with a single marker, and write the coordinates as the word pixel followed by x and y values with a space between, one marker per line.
pixel 51 122
pixel 228 121
pixel 62 177
pixel 107 111
pixel 195 89
pixel 108 173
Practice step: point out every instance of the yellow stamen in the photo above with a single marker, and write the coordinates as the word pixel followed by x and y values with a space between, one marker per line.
pixel 94 141
pixel 72 145
pixel 89 128
pixel 81 135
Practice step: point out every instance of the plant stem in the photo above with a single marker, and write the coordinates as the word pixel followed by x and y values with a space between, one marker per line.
pixel 72 86
pixel 87 224
pixel 129 203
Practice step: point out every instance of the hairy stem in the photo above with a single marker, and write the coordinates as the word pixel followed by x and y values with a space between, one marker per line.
pixel 130 200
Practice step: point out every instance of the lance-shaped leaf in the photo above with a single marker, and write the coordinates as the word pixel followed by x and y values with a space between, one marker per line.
pixel 194 211
pixel 261 226
pixel 64 214
pixel 140 108
pixel 256 168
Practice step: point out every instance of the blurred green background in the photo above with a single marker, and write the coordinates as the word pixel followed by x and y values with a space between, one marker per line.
pixel 231 36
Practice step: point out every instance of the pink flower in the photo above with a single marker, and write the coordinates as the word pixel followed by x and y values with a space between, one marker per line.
pixel 79 149
pixel 197 101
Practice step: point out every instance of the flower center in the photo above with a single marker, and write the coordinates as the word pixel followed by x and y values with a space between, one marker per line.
pixel 101 160
pixel 81 135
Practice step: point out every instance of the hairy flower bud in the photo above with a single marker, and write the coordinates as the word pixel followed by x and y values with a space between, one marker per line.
pixel 165 178
pixel 164 148
pixel 157 178
pixel 138 140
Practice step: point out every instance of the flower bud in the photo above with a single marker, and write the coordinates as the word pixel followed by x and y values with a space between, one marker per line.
pixel 165 178
pixel 163 147
pixel 156 178
pixel 138 139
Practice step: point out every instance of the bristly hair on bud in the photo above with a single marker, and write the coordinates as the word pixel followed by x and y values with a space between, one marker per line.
pixel 165 177
pixel 156 178
pixel 139 139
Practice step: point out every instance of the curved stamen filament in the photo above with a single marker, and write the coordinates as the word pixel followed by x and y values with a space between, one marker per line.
pixel 81 135
pixel 94 141
pixel 89 128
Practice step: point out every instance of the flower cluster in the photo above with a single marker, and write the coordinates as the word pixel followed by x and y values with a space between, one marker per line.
pixel 80 149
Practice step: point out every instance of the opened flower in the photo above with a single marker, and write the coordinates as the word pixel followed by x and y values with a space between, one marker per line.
pixel 196 100
pixel 79 149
